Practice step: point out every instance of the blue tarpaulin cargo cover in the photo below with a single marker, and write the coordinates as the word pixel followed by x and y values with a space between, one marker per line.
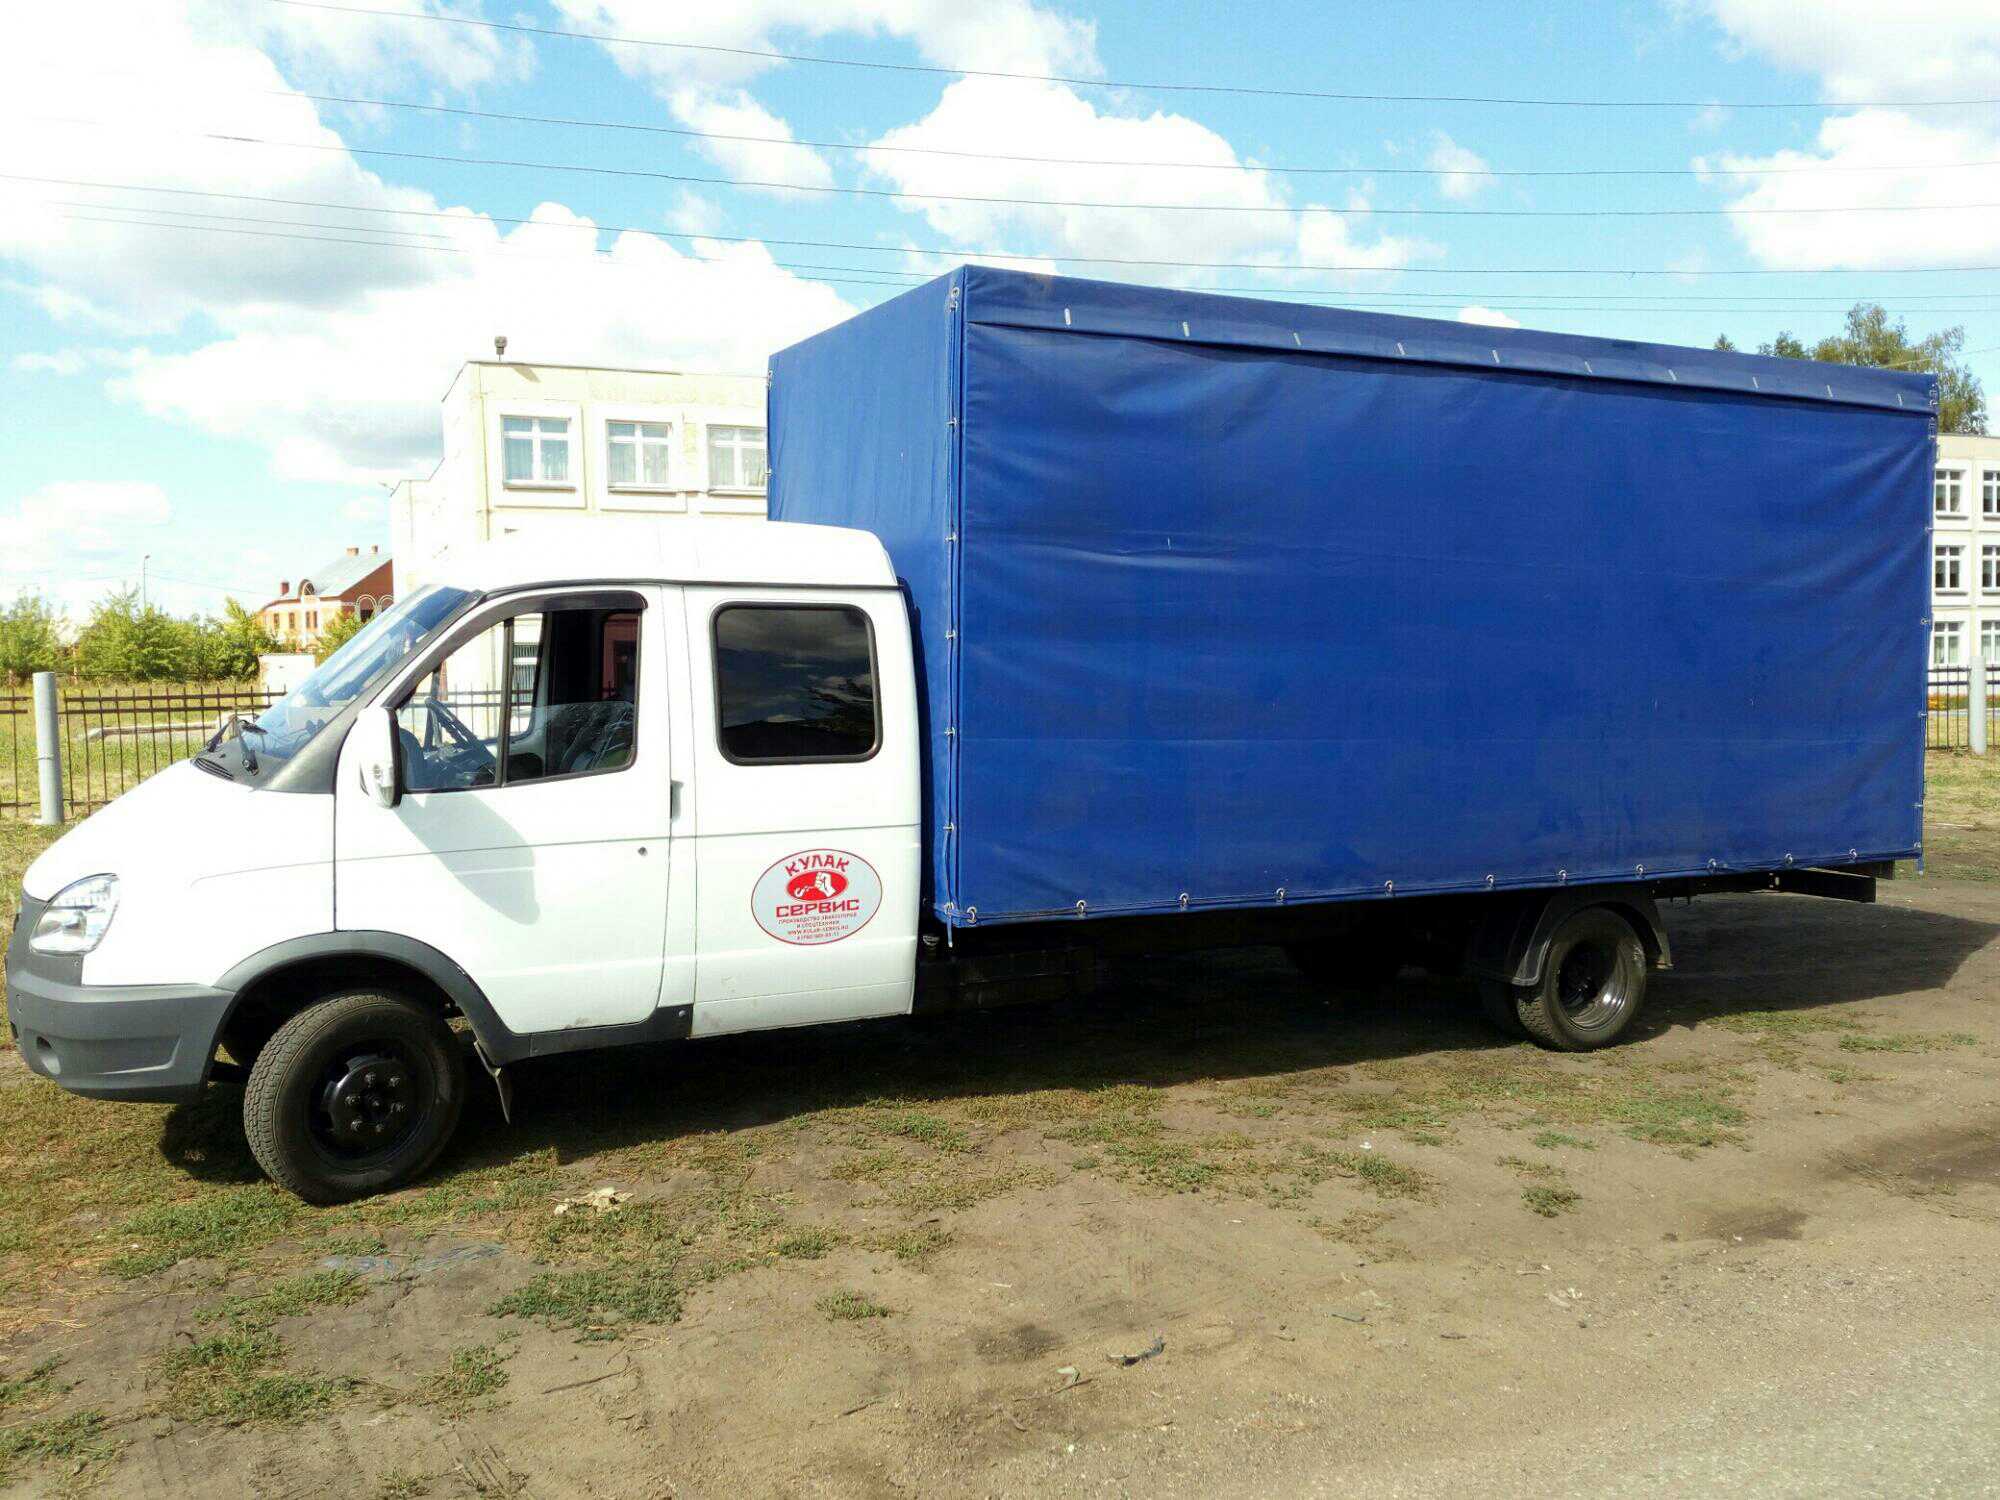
pixel 1224 602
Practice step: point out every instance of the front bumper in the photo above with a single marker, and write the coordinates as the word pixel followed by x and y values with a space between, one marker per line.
pixel 140 1042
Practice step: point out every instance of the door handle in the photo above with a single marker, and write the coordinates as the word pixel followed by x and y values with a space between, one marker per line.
pixel 673 799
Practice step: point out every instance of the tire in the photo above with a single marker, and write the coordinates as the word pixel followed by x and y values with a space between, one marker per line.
pixel 1499 1000
pixel 354 1095
pixel 1593 983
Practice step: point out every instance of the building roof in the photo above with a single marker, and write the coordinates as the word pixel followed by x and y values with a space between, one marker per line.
pixel 342 573
pixel 674 549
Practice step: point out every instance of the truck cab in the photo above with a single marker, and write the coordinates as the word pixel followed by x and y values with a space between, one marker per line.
pixel 658 786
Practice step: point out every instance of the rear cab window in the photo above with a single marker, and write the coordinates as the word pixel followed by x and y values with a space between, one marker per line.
pixel 795 684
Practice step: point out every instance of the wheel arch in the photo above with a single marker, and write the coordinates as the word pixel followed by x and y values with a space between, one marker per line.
pixel 1512 943
pixel 284 979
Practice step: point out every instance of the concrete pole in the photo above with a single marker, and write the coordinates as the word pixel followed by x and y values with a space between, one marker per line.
pixel 48 749
pixel 1975 704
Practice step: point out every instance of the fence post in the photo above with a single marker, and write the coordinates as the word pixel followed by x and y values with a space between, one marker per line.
pixel 48 749
pixel 1975 705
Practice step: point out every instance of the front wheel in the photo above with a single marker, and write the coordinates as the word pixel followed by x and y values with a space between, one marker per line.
pixel 1593 983
pixel 352 1096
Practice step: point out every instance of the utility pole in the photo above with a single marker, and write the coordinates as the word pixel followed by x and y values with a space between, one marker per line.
pixel 148 557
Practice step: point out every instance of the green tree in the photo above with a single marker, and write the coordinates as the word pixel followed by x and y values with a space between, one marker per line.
pixel 30 638
pixel 1870 338
pixel 242 639
pixel 339 630
pixel 125 641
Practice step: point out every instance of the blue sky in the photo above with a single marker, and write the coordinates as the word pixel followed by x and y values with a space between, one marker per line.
pixel 226 384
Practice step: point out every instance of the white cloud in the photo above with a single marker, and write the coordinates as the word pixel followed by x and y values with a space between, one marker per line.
pixel 704 89
pixel 63 362
pixel 1876 139
pixel 736 113
pixel 351 393
pixel 1486 317
pixel 355 45
pixel 364 510
pixel 1862 50
pixel 53 529
pixel 330 355
pixel 1244 215
pixel 1466 172
pixel 1013 36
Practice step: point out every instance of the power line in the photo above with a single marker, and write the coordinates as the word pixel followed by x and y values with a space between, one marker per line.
pixel 687 132
pixel 1972 301
pixel 1378 302
pixel 1077 81
pixel 956 254
pixel 1371 211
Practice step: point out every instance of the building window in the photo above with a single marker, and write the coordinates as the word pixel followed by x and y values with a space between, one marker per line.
pixel 312 619
pixel 736 458
pixel 1944 569
pixel 1947 492
pixel 795 683
pixel 537 450
pixel 1989 640
pixel 1989 567
pixel 1944 643
pixel 638 454
pixel 1989 492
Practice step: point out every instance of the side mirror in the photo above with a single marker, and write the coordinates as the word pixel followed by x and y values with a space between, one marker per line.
pixel 378 755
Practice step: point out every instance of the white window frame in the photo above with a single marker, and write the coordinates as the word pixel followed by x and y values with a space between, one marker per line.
pixel 1989 493
pixel 1948 557
pixel 731 491
pixel 1989 641
pixel 1952 632
pixel 1948 491
pixel 669 497
pixel 561 494
pixel 1989 567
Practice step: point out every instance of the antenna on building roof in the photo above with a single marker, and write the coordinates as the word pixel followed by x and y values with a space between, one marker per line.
pixel 500 346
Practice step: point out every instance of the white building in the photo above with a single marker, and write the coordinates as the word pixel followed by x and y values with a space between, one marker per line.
pixel 534 449
pixel 1965 551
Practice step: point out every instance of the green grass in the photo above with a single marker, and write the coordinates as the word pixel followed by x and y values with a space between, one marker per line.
pixel 808 1244
pixel 289 1298
pixel 469 1377
pixel 850 1307
pixel 1908 1041
pixel 1552 1140
pixel 38 1385
pixel 1549 1200
pixel 76 1441
pixel 222 1225
pixel 602 1302
pixel 229 1378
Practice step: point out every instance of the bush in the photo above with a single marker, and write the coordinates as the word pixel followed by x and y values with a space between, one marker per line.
pixel 30 638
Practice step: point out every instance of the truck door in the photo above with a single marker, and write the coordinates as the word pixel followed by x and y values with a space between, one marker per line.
pixel 532 844
pixel 806 784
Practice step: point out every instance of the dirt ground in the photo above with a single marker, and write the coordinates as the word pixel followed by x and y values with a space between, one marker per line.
pixel 1214 1232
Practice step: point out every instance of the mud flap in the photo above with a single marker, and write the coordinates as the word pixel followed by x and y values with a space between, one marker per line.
pixel 501 1081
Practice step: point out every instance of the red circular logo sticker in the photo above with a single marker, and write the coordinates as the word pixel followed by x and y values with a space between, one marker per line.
pixel 816 896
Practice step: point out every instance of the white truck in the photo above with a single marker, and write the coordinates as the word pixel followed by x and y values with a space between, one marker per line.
pixel 1108 640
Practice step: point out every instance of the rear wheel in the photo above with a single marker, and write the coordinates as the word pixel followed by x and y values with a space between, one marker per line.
pixel 1593 983
pixel 355 1095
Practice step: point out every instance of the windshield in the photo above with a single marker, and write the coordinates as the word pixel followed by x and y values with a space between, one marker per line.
pixel 284 728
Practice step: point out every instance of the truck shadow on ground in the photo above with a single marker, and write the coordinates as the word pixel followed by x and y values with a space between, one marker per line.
pixel 1215 1018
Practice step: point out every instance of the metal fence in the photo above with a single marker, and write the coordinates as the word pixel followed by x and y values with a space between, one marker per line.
pixel 113 738
pixel 1948 725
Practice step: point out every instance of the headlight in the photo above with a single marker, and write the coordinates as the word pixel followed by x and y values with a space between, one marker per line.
pixel 76 921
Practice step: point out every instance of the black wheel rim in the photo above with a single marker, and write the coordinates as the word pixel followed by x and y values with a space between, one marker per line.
pixel 369 1101
pixel 1593 985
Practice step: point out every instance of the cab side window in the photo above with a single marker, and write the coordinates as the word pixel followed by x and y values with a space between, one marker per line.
pixel 795 683
pixel 540 695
